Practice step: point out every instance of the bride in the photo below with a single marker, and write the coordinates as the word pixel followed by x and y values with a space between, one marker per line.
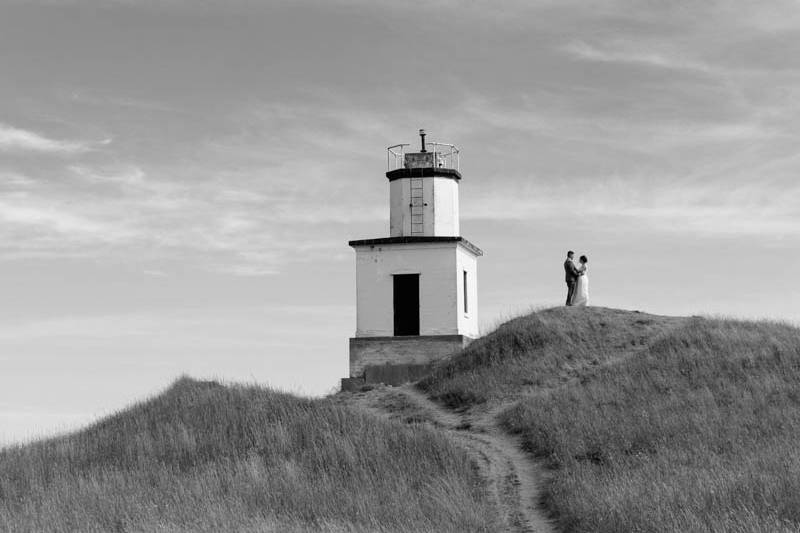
pixel 581 297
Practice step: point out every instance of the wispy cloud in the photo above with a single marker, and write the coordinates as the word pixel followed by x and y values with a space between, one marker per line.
pixel 17 139
pixel 95 98
pixel 653 205
pixel 623 129
pixel 248 182
pixel 240 225
pixel 299 183
pixel 14 181
pixel 636 55
pixel 49 217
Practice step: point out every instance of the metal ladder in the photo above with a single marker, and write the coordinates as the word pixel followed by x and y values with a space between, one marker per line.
pixel 417 205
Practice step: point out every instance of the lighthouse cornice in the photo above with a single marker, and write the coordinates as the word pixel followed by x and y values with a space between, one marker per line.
pixel 424 172
pixel 418 240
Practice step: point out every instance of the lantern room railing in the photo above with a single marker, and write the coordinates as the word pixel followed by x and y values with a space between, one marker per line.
pixel 395 157
pixel 443 155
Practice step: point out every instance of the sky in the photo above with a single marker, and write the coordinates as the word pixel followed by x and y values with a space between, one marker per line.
pixel 179 179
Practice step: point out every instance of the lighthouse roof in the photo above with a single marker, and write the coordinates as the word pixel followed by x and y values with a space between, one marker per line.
pixel 423 172
pixel 408 239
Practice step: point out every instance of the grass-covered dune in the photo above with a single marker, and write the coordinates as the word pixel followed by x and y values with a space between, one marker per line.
pixel 542 350
pixel 208 457
pixel 648 423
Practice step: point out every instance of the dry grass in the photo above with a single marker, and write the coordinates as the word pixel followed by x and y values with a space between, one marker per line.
pixel 542 350
pixel 207 457
pixel 648 423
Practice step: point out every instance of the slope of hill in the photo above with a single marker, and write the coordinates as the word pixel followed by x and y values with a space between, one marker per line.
pixel 513 480
pixel 647 423
pixel 207 457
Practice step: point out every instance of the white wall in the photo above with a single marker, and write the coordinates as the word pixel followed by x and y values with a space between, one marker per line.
pixel 445 207
pixel 440 266
pixel 467 322
pixel 436 264
pixel 429 215
pixel 440 212
pixel 399 212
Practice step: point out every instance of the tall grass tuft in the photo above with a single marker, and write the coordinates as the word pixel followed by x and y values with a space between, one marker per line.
pixel 208 457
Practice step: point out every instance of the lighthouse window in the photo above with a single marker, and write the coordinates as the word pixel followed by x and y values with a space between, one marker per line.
pixel 466 302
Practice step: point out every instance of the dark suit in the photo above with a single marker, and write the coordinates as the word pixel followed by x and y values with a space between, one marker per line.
pixel 572 279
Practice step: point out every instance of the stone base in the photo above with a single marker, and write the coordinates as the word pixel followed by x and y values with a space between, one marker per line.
pixel 397 360
pixel 396 374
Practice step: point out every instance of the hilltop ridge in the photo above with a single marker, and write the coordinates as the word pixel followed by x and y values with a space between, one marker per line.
pixel 541 350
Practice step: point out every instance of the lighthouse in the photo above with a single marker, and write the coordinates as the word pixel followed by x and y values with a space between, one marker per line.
pixel 417 289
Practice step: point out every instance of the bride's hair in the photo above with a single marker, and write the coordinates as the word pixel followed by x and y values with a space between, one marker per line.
pixel 584 259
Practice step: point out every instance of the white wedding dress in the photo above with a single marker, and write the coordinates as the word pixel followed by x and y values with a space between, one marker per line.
pixel 581 297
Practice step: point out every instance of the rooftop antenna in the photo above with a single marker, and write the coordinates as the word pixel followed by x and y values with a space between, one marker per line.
pixel 422 136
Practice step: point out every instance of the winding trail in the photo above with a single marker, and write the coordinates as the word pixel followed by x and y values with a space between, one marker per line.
pixel 511 477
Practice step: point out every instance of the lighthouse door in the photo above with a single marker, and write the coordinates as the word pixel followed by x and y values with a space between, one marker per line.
pixel 406 304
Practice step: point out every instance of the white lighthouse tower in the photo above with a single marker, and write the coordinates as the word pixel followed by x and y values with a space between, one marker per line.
pixel 416 290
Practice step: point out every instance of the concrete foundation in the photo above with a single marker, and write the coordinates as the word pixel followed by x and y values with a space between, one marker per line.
pixel 397 360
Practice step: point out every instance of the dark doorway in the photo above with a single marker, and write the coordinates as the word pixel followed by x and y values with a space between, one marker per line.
pixel 406 304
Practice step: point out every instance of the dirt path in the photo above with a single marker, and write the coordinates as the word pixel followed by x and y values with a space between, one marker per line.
pixel 512 478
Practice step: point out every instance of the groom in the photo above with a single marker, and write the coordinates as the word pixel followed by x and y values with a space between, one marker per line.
pixel 572 274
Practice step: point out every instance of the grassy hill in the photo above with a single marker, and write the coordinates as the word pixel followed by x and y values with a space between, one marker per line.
pixel 207 457
pixel 648 423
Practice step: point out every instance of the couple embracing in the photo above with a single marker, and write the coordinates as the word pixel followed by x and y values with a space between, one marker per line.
pixel 577 280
